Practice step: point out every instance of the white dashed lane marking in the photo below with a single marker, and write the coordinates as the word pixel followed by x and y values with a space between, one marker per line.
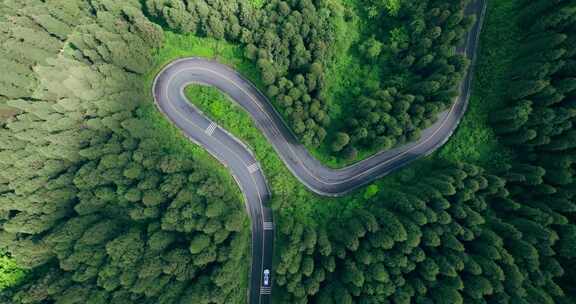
pixel 253 168
pixel 268 226
pixel 211 128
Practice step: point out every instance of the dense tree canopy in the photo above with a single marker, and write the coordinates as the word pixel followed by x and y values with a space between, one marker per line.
pixel 89 200
pixel 288 40
pixel 414 51
pixel 538 123
pixel 459 237
pixel 462 235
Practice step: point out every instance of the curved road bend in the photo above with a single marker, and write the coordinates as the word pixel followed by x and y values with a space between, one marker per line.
pixel 169 95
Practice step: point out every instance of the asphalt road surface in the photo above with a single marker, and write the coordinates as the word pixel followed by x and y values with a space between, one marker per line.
pixel 169 95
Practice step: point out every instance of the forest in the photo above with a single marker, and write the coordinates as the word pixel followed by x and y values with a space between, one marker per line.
pixel 101 202
pixel 90 203
pixel 413 49
pixel 464 235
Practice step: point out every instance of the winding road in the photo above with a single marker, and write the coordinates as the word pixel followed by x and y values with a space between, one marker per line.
pixel 169 95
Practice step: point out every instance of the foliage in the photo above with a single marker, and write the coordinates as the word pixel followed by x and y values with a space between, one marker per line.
pixel 257 3
pixel 105 202
pixel 392 7
pixel 288 191
pixel 187 45
pixel 10 273
pixel 288 41
pixel 452 238
pixel 475 140
pixel 92 200
pixel 415 52
pixel 537 122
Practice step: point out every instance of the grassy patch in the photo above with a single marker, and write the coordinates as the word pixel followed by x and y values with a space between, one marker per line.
pixel 285 187
pixel 181 46
pixel 289 195
pixel 475 140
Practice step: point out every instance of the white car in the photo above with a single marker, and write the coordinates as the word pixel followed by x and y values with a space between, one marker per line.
pixel 266 277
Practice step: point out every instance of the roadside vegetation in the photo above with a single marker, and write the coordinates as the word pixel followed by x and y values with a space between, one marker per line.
pixel 475 139
pixel 288 192
pixel 409 73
